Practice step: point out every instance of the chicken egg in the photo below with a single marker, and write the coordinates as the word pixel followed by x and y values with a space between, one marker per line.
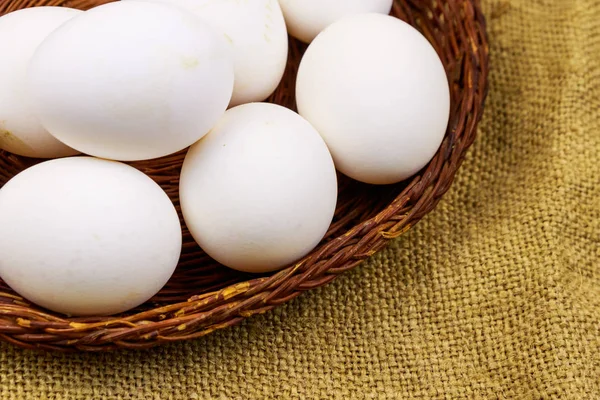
pixel 85 236
pixel 377 92
pixel 21 32
pixel 255 31
pixel 131 80
pixel 305 19
pixel 259 191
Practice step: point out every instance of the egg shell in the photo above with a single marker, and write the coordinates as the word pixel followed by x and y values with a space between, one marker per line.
pixel 85 236
pixel 260 190
pixel 21 32
pixel 377 92
pixel 305 19
pixel 131 80
pixel 255 30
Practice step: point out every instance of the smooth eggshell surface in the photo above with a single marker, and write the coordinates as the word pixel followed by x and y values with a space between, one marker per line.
pixel 377 92
pixel 260 190
pixel 255 30
pixel 131 80
pixel 84 236
pixel 305 19
pixel 21 32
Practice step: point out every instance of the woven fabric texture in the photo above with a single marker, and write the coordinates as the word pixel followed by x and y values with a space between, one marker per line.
pixel 494 295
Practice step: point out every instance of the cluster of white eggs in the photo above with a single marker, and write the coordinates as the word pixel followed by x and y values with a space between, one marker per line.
pixel 137 80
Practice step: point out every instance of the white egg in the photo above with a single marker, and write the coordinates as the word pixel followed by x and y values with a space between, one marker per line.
pixel 305 19
pixel 255 30
pixel 259 191
pixel 131 80
pixel 377 92
pixel 85 236
pixel 21 32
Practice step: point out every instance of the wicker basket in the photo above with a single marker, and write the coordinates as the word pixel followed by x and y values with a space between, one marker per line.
pixel 203 296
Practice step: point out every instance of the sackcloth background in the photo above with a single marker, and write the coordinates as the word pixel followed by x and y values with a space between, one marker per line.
pixel 494 295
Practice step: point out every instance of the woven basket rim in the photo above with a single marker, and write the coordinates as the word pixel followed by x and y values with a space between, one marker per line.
pixel 457 28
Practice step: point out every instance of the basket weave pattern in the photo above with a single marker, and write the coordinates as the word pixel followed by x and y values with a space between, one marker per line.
pixel 203 296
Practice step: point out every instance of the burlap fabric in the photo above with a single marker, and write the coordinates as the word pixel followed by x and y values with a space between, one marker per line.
pixel 495 295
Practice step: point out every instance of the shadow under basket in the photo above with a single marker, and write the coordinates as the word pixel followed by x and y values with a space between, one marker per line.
pixel 203 296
